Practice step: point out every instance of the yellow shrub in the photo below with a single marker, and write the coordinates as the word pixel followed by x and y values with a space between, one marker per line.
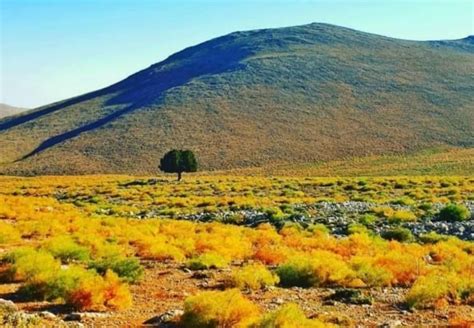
pixel 383 211
pixel 219 309
pixel 208 261
pixel 429 290
pixel 402 216
pixel 253 276
pixel 289 316
pixel 371 274
pixel 162 252
pixel 8 233
pixel 158 249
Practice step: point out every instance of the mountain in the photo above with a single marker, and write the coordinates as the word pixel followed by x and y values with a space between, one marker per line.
pixel 289 95
pixel 7 110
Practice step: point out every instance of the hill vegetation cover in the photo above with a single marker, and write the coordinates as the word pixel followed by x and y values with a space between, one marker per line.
pixel 300 94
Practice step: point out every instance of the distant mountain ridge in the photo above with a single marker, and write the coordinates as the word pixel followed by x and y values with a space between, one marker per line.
pixel 297 94
pixel 7 110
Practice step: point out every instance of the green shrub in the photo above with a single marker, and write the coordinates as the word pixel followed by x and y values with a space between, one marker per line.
pixel 29 264
pixel 425 206
pixel 15 254
pixel 297 273
pixel 370 274
pixel 207 261
pixel 400 234
pixel 367 219
pixel 318 228
pixel 357 228
pixel 54 286
pixel 253 276
pixel 426 291
pixel 432 238
pixel 454 212
pixel 128 269
pixel 67 250
pixel 274 214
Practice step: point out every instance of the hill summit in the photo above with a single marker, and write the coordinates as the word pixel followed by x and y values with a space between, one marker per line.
pixel 295 94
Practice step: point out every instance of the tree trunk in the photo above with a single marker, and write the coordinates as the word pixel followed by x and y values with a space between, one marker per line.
pixel 179 176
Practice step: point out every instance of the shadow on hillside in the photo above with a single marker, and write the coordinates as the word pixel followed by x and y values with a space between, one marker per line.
pixel 18 120
pixel 143 88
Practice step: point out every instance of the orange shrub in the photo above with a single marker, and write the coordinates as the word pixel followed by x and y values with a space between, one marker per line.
pixel 101 293
pixel 270 255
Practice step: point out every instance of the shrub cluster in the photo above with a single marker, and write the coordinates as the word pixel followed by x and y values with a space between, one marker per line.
pixel 253 276
pixel 44 278
pixel 207 261
pixel 230 309
pixel 399 234
pixel 453 213
pixel 128 269
pixel 438 288
pixel 219 309
pixel 289 315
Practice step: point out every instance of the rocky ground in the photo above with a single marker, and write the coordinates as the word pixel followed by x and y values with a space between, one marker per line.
pixel 337 217
pixel 158 299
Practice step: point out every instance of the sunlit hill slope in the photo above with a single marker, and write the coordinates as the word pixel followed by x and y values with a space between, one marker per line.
pixel 290 95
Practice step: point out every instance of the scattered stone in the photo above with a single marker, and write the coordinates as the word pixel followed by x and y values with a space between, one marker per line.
pixel 391 324
pixel 73 317
pixel 350 296
pixel 337 217
pixel 21 319
pixel 7 306
pixel 47 315
pixel 94 314
pixel 278 301
pixel 169 317
pixel 202 275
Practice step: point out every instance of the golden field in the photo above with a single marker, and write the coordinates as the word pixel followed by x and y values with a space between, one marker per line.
pixel 82 242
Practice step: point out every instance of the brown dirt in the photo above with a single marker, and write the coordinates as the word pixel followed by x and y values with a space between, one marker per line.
pixel 166 285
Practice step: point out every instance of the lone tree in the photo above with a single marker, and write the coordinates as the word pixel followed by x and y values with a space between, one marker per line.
pixel 178 161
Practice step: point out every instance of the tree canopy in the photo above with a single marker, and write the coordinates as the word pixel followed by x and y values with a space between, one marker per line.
pixel 178 161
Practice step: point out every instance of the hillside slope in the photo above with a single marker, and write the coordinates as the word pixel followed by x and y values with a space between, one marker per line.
pixel 7 110
pixel 298 94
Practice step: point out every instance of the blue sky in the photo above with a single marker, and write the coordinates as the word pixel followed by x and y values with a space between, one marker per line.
pixel 56 49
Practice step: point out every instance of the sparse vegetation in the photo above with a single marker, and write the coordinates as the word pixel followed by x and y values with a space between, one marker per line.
pixel 289 315
pixel 254 277
pixel 454 212
pixel 219 309
pixel 81 240
pixel 399 234
pixel 208 261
